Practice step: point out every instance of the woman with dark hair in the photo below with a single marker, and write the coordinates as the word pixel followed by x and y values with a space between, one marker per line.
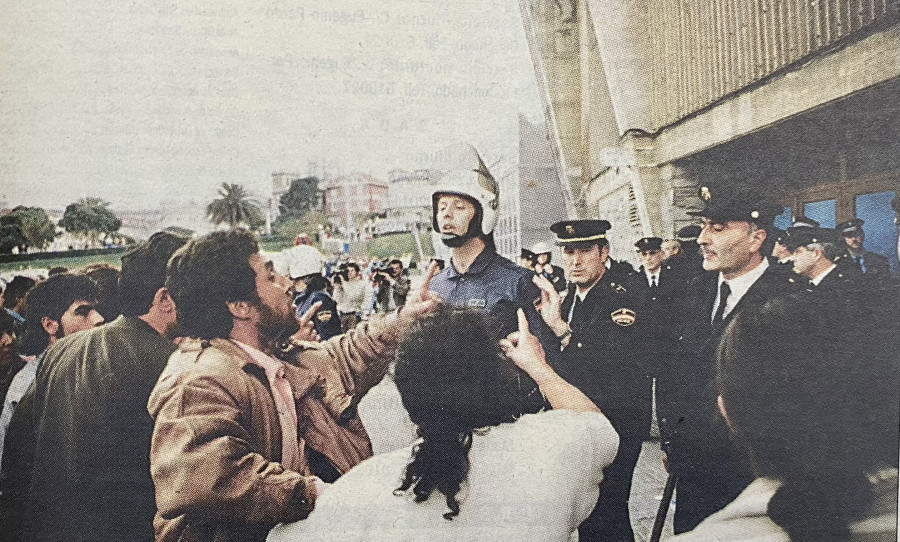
pixel 480 470
pixel 816 404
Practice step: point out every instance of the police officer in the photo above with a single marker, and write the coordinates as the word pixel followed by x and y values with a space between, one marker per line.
pixel 815 254
pixel 872 264
pixel 542 266
pixel 599 329
pixel 465 205
pixel 305 269
pixel 710 468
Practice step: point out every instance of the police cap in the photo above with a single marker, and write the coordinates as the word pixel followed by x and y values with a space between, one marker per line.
pixel 574 232
pixel 738 206
pixel 649 244
pixel 851 228
pixel 800 236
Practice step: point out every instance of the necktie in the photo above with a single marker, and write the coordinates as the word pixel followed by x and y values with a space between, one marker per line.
pixel 653 281
pixel 724 292
pixel 572 310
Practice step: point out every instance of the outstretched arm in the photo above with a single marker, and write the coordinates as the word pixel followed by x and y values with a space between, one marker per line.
pixel 524 349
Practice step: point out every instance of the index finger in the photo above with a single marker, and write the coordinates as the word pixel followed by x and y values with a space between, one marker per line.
pixel 310 312
pixel 523 322
pixel 541 282
pixel 426 286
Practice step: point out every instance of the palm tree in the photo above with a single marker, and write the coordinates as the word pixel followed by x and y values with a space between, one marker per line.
pixel 233 206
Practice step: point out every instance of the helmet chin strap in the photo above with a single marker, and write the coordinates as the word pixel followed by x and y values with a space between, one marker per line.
pixel 454 241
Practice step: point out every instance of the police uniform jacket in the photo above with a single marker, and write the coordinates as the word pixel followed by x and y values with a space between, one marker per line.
pixel 327 319
pixel 689 422
pixel 605 358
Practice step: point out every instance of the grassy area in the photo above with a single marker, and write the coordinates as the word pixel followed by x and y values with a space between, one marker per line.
pixel 398 244
pixel 71 263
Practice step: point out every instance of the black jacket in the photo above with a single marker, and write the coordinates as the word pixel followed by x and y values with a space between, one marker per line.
pixel 605 357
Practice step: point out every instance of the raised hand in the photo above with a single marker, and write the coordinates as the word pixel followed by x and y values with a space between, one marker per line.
pixel 524 349
pixel 549 307
pixel 423 300
pixel 307 331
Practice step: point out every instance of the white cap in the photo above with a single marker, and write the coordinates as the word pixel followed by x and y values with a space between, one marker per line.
pixel 303 260
pixel 541 248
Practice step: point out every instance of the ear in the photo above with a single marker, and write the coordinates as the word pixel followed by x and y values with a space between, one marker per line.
pixel 240 309
pixel 604 254
pixel 50 325
pixel 721 402
pixel 163 301
pixel 759 237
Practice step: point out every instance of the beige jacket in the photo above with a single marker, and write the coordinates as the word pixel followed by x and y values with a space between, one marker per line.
pixel 217 440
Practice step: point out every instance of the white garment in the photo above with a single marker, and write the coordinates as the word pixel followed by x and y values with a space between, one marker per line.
pixel 350 296
pixel 535 479
pixel 746 518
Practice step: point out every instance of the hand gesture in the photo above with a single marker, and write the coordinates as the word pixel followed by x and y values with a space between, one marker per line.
pixel 549 307
pixel 307 331
pixel 524 349
pixel 423 300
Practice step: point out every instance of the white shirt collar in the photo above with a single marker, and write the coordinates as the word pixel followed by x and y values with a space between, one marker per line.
pixel 822 275
pixel 740 285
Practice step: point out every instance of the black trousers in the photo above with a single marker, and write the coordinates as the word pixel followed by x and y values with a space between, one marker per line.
pixel 610 521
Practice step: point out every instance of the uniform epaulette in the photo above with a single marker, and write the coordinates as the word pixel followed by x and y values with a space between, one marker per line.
pixel 618 287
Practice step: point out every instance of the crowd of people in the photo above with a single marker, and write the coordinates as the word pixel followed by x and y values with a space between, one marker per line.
pixel 206 390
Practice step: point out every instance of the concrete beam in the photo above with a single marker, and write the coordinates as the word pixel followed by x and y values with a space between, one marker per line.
pixel 873 60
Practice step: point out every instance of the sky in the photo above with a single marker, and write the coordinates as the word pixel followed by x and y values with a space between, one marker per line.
pixel 145 102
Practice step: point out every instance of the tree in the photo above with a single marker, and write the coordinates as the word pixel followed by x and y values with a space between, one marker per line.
pixel 90 218
pixel 39 232
pixel 301 197
pixel 234 207
pixel 11 235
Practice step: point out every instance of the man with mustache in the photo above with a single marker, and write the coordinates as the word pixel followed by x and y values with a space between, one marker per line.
pixel 711 472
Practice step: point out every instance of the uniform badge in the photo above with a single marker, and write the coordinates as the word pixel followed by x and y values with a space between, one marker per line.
pixel 623 316
pixel 480 303
pixel 323 316
pixel 570 230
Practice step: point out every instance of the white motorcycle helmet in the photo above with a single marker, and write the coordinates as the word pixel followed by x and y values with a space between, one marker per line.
pixel 303 260
pixel 464 174
pixel 541 248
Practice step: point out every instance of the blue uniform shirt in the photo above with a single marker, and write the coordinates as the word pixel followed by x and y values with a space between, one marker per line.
pixel 327 320
pixel 498 286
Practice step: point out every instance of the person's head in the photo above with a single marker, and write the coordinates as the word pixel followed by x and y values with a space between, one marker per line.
pixel 142 282
pixel 526 258
pixel 57 271
pixel 812 249
pixel 465 201
pixel 304 264
pixel 107 278
pixel 220 280
pixel 816 406
pixel 650 251
pixel 585 250
pixel 671 248
pixel 352 271
pixel 733 231
pixel 57 307
pixel 396 267
pixel 8 339
pixel 453 379
pixel 15 291
pixel 854 236
pixel 542 253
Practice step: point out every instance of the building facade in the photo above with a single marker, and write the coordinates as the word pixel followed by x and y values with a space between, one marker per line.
pixel 350 199
pixel 647 100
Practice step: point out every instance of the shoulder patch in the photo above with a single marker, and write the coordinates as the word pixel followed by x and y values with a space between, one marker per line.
pixel 323 316
pixel 623 316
